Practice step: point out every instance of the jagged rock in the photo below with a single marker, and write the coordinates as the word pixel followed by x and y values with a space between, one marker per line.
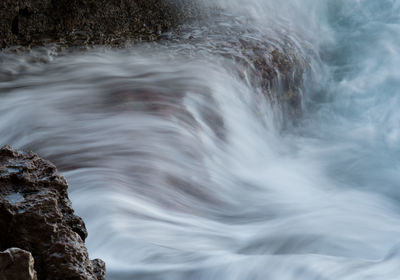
pixel 25 22
pixel 36 215
pixel 17 264
pixel 99 269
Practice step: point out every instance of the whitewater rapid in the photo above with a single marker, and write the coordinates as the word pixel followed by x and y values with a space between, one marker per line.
pixel 183 169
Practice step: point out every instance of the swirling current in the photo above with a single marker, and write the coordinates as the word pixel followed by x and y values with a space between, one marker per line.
pixel 183 168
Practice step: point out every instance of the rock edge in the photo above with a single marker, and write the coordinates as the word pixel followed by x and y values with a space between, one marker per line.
pixel 82 22
pixel 36 216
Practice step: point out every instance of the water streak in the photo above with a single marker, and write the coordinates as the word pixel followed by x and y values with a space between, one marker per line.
pixel 182 168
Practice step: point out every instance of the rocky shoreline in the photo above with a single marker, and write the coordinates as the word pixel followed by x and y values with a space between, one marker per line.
pixel 79 22
pixel 41 237
pixel 274 66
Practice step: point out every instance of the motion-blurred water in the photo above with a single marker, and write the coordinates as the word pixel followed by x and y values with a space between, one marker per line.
pixel 181 167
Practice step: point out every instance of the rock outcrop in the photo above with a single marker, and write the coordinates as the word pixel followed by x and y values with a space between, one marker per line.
pixel 17 264
pixel 36 216
pixel 78 22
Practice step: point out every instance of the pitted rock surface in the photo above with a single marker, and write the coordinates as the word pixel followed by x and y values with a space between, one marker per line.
pixel 78 22
pixel 36 215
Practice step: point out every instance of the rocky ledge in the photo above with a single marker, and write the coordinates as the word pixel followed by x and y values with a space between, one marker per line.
pixel 78 22
pixel 40 235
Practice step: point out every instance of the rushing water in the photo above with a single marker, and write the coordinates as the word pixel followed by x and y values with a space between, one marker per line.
pixel 182 169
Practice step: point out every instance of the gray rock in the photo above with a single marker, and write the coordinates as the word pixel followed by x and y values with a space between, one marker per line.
pixel 17 264
pixel 36 215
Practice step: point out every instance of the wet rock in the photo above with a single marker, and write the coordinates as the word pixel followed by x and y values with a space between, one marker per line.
pixel 17 264
pixel 36 215
pixel 271 60
pixel 25 22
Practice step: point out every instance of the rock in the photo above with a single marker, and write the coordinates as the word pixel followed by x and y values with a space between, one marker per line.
pixel 36 215
pixel 99 269
pixel 25 22
pixel 17 264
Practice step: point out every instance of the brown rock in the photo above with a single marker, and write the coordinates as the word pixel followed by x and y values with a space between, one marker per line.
pixel 99 269
pixel 36 215
pixel 26 22
pixel 17 264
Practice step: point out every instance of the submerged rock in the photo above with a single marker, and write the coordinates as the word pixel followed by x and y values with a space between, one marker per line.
pixel 77 22
pixel 36 215
pixel 17 264
pixel 271 59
